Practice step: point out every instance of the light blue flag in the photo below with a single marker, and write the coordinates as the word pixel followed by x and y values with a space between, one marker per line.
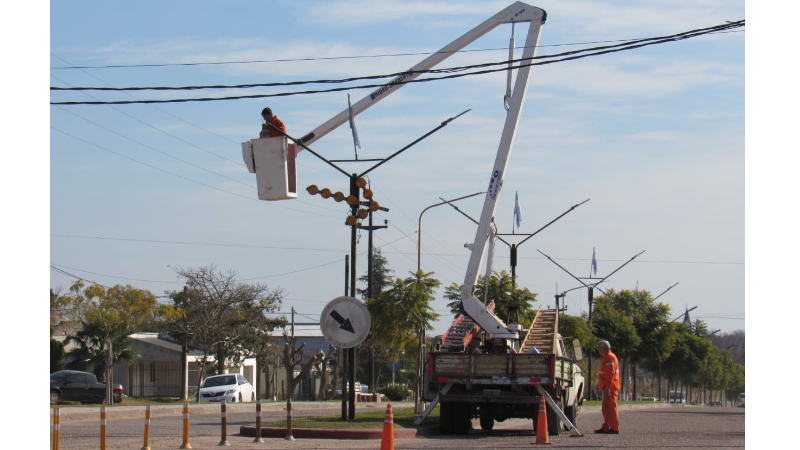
pixel 517 210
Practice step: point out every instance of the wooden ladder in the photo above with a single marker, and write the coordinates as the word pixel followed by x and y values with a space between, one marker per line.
pixel 461 332
pixel 542 333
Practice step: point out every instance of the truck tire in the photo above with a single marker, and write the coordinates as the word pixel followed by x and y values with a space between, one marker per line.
pixel 553 421
pixel 462 418
pixel 446 417
pixel 487 416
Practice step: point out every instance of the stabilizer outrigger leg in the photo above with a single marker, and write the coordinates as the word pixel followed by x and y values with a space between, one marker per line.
pixel 572 429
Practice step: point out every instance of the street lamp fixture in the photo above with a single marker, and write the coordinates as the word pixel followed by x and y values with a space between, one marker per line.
pixel 419 226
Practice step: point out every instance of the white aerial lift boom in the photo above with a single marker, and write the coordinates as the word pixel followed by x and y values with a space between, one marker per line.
pixel 518 12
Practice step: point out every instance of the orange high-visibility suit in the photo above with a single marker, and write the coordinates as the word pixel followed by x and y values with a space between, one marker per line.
pixel 270 131
pixel 608 378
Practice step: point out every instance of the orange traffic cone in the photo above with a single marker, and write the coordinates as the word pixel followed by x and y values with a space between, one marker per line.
pixel 541 426
pixel 387 438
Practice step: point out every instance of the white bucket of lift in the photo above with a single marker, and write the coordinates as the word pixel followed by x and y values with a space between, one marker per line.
pixel 273 162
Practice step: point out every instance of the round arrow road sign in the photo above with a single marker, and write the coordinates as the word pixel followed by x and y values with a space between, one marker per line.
pixel 345 322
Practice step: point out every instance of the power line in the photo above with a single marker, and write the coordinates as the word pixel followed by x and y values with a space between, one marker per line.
pixel 212 244
pixel 182 177
pixel 567 56
pixel 404 236
pixel 333 58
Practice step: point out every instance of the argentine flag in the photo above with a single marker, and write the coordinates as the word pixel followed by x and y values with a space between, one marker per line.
pixel 594 264
pixel 517 210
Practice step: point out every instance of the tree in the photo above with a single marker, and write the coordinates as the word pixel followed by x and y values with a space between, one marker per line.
pixel 93 343
pixel 216 313
pixel 267 351
pixel 381 275
pixel 398 311
pixel 321 364
pixel 108 316
pixel 510 304
pixel 292 356
pixel 56 355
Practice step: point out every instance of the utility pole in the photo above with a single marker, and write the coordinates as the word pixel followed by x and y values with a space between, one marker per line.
pixel 591 296
pixel 659 358
pixel 357 181
pixel 370 292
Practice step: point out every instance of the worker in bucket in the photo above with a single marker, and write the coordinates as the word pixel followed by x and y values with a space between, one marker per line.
pixel 272 124
pixel 608 382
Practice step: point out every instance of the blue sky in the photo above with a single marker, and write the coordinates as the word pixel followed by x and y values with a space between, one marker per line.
pixel 654 136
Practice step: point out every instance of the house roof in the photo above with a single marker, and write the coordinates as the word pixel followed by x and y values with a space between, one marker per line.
pixel 163 341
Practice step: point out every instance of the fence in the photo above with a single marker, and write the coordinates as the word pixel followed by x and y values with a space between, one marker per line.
pixel 154 379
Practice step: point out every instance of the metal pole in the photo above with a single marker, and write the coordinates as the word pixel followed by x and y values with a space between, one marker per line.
pixel 369 295
pixel 591 300
pixel 351 352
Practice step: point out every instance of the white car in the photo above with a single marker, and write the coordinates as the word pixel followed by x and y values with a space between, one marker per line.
pixel 230 387
pixel 740 401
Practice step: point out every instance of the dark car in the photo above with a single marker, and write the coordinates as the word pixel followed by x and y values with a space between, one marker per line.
pixel 72 385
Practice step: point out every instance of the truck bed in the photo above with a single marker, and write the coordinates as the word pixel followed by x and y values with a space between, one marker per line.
pixel 460 368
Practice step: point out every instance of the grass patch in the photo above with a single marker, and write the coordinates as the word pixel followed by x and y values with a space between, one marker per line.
pixel 402 417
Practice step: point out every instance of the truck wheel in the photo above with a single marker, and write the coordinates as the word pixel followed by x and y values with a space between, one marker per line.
pixel 553 421
pixel 572 414
pixel 462 418
pixel 487 417
pixel 446 417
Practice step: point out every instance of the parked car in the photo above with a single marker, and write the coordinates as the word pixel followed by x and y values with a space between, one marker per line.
pixel 73 385
pixel 740 401
pixel 230 387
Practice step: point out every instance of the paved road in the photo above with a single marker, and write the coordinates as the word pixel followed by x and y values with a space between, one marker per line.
pixel 664 427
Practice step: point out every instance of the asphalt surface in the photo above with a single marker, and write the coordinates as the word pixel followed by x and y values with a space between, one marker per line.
pixel 277 438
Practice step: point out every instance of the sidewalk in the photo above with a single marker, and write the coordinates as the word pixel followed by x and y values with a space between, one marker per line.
pixel 76 413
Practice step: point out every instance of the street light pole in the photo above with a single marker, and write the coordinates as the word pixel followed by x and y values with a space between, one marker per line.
pixel 419 226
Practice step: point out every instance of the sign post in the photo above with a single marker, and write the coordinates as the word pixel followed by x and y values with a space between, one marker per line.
pixel 345 322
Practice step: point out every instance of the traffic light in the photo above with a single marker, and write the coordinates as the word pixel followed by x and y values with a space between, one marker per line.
pixel 325 193
pixel 352 199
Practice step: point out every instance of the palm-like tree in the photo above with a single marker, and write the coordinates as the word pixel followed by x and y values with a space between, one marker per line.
pixel 92 346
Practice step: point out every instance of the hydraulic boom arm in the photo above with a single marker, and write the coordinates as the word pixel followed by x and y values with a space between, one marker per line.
pixel 486 229
pixel 517 12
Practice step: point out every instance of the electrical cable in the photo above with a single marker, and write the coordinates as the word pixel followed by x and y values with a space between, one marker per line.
pixel 567 56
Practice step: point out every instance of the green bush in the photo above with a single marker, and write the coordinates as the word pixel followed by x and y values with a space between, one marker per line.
pixel 395 393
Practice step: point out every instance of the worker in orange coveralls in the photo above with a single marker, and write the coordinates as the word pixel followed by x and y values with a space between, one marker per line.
pixel 608 382
pixel 272 125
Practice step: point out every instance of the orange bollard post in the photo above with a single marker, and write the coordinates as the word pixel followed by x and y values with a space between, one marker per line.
pixel 258 439
pixel 146 445
pixel 56 427
pixel 224 417
pixel 541 426
pixel 185 444
pixel 387 438
pixel 289 436
pixel 103 427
